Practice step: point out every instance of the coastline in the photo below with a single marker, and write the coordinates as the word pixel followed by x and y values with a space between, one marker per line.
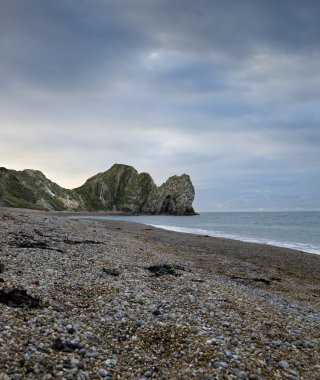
pixel 212 228
pixel 233 309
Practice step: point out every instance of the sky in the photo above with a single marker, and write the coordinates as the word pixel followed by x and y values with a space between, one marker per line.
pixel 226 91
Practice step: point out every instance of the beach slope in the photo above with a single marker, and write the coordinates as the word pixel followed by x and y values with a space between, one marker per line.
pixel 86 299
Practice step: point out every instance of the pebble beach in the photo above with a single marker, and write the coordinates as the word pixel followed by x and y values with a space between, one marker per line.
pixel 85 299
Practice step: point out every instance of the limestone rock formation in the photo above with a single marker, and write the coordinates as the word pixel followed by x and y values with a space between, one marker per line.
pixel 174 197
pixel 121 189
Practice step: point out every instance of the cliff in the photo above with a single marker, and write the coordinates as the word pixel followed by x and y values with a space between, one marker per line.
pixel 174 197
pixel 32 189
pixel 121 188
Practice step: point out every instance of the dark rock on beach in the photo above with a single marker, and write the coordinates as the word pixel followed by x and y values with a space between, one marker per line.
pixel 18 297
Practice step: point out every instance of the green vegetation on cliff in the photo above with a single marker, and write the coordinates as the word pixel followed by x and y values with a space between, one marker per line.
pixel 31 189
pixel 121 188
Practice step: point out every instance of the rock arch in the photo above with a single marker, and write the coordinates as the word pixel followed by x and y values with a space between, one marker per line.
pixel 168 205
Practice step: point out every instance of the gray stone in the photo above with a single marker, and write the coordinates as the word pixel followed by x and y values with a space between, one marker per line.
pixel 140 322
pixel 228 354
pixel 103 373
pixel 242 375
pixel 283 364
pixel 221 364
pixel 253 376
pixel 110 362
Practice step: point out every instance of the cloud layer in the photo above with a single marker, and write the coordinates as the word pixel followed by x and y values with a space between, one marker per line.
pixel 226 91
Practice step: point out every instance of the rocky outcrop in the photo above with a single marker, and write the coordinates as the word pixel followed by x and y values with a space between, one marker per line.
pixel 174 197
pixel 119 189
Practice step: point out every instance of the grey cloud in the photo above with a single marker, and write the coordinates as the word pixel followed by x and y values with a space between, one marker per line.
pixel 230 26
pixel 63 43
pixel 227 91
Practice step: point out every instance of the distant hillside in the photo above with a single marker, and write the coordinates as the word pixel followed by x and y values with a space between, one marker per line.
pixel 32 189
pixel 121 188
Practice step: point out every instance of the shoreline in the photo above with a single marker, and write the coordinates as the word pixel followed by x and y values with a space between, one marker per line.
pixel 225 308
pixel 300 247
pixel 247 240
pixel 92 214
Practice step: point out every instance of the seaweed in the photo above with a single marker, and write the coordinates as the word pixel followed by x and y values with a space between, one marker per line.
pixel 66 346
pixel 111 272
pixel 163 269
pixel 75 242
pixel 18 297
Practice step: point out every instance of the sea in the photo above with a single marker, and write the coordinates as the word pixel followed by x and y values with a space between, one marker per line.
pixel 296 230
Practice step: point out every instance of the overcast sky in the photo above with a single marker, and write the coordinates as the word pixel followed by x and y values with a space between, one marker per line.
pixel 227 91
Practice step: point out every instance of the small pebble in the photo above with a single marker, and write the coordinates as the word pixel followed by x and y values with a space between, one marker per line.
pixel 103 373
pixel 110 362
pixel 228 354
pixel 283 364
pixel 254 377
pixel 221 364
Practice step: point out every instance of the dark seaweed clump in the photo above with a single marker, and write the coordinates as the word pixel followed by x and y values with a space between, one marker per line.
pixel 111 272
pixel 60 345
pixel 18 297
pixel 163 269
